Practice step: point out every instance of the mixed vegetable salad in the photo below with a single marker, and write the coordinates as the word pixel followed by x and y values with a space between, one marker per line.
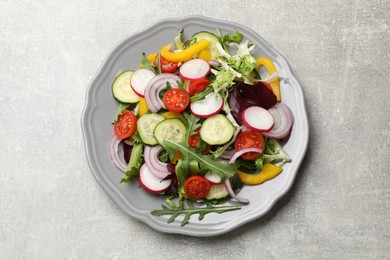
pixel 196 121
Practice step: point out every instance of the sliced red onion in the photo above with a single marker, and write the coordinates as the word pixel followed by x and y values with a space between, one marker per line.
pixel 157 167
pixel 113 149
pixel 232 194
pixel 214 63
pixel 227 154
pixel 155 85
pixel 283 121
pixel 242 151
pixel 269 79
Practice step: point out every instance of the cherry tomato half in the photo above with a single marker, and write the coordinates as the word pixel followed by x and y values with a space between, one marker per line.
pixel 249 139
pixel 198 85
pixel 196 187
pixel 176 100
pixel 166 66
pixel 125 124
pixel 194 142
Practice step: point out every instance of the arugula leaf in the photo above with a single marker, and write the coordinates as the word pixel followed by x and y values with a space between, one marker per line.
pixel 201 95
pixel 146 63
pixel 192 125
pixel 175 211
pixel 206 162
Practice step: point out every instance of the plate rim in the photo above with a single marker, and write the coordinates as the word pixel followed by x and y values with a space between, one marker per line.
pixel 90 104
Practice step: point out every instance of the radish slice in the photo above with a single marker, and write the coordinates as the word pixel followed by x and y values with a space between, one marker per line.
pixel 207 107
pixel 150 182
pixel 257 119
pixel 140 79
pixel 194 69
pixel 213 178
pixel 283 121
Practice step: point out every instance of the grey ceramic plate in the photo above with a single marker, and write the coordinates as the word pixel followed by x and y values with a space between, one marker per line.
pixel 100 109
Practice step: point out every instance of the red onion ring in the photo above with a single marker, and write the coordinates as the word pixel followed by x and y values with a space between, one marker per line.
pixel 113 149
pixel 227 154
pixel 283 121
pixel 157 167
pixel 242 151
pixel 232 194
pixel 214 63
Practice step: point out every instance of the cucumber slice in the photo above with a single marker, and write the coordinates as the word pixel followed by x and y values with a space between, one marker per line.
pixel 172 129
pixel 212 38
pixel 216 130
pixel 146 125
pixel 217 191
pixel 121 89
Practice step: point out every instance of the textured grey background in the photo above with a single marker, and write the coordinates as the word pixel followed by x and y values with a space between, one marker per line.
pixel 52 208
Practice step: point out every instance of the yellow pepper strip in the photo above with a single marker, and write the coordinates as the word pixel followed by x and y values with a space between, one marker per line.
pixel 270 67
pixel 143 107
pixel 185 55
pixel 205 55
pixel 268 172
pixel 170 114
pixel 150 58
pixel 177 156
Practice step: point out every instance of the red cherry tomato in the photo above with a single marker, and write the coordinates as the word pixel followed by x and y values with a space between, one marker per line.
pixel 196 187
pixel 198 85
pixel 194 142
pixel 176 100
pixel 125 125
pixel 249 139
pixel 166 66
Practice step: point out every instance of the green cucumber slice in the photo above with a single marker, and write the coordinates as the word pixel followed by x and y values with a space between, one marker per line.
pixel 217 191
pixel 216 130
pixel 146 125
pixel 172 129
pixel 212 38
pixel 121 89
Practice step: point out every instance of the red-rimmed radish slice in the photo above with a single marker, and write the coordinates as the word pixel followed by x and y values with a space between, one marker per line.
pixel 257 119
pixel 207 107
pixel 194 69
pixel 152 183
pixel 283 121
pixel 213 178
pixel 140 79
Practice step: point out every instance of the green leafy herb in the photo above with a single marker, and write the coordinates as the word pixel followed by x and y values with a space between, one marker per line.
pixel 134 163
pixel 206 162
pixel 121 107
pixel 179 41
pixel 146 63
pixel 201 95
pixel 175 211
pixel 273 153
pixel 189 43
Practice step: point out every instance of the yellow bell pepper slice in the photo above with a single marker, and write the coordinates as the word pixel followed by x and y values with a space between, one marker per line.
pixel 205 55
pixel 185 55
pixel 270 67
pixel 268 172
pixel 143 107
pixel 170 114
pixel 177 156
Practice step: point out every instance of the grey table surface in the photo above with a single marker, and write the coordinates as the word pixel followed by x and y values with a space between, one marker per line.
pixel 51 207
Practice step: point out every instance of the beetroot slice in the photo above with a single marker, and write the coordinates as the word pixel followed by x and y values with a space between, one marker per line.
pixel 244 96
